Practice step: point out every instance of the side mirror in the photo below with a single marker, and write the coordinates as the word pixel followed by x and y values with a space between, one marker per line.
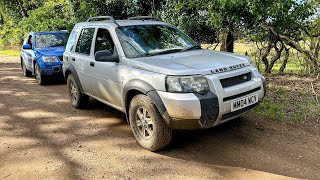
pixel 106 56
pixel 26 46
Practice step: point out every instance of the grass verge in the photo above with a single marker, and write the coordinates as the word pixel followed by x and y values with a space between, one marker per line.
pixel 10 52
pixel 291 99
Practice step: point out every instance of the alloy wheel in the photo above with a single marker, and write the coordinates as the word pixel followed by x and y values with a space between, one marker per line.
pixel 144 123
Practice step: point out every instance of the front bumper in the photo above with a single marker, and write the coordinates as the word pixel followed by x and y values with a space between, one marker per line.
pixel 52 70
pixel 193 111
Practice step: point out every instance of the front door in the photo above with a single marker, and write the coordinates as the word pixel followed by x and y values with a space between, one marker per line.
pixel 105 78
pixel 28 54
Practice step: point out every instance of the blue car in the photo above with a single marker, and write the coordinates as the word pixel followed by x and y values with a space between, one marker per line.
pixel 42 55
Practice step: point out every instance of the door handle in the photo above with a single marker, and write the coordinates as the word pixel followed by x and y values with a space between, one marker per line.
pixel 92 64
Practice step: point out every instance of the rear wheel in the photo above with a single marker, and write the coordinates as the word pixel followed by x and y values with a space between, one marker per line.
pixel 147 125
pixel 39 77
pixel 25 71
pixel 77 98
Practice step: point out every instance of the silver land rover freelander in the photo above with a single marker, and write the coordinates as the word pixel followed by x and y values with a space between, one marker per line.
pixel 158 76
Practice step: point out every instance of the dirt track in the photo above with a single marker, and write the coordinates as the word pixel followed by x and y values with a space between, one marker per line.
pixel 43 137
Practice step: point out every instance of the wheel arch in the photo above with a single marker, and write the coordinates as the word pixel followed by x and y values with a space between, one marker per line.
pixel 135 87
pixel 70 69
pixel 34 62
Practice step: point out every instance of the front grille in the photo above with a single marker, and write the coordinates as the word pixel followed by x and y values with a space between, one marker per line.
pixel 60 58
pixel 235 80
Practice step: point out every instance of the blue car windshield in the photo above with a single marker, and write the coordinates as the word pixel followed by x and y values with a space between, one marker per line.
pixel 51 40
pixel 149 40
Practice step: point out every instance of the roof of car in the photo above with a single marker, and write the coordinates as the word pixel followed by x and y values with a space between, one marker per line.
pixel 122 23
pixel 50 32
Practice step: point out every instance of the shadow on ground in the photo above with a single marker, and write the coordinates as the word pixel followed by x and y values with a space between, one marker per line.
pixel 33 118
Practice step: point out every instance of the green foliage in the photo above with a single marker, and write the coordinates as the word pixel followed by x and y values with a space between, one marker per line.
pixel 289 17
pixel 203 20
pixel 21 17
pixel 53 15
pixel 192 17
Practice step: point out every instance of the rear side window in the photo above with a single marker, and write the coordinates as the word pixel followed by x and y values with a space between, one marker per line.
pixel 85 40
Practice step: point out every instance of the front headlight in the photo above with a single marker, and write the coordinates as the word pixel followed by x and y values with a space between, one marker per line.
pixel 50 58
pixel 187 84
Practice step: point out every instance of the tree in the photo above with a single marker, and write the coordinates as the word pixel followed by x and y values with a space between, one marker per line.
pixel 192 17
pixel 281 24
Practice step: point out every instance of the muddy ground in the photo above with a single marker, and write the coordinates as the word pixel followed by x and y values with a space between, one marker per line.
pixel 43 137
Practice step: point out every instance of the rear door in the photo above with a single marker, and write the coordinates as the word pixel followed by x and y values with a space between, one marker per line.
pixel 82 58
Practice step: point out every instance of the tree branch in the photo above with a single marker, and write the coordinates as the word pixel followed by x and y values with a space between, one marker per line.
pixel 292 44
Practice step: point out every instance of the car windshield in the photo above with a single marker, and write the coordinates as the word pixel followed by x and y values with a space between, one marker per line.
pixel 51 40
pixel 149 40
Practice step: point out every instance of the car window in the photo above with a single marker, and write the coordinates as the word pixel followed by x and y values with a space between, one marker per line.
pixel 72 38
pixel 85 40
pixel 51 40
pixel 103 41
pixel 29 41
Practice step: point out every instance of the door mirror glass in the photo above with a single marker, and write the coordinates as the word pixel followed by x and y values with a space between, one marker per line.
pixel 106 56
pixel 26 46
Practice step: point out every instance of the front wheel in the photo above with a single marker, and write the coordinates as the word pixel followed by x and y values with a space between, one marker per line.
pixel 77 98
pixel 147 125
pixel 39 77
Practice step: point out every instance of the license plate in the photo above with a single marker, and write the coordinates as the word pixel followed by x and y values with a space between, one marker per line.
pixel 244 102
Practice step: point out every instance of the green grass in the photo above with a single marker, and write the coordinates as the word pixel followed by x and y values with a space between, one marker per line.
pixel 288 105
pixel 274 106
pixel 10 52
pixel 270 109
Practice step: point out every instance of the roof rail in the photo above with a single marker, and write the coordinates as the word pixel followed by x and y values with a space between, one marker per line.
pixel 145 18
pixel 102 18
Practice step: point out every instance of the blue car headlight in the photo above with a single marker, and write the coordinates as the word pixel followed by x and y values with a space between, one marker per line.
pixel 50 59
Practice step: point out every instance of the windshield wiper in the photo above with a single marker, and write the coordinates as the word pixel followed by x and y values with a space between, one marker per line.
pixel 164 52
pixel 57 45
pixel 191 48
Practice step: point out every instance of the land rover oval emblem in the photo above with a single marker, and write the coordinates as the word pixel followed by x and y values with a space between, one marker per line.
pixel 244 77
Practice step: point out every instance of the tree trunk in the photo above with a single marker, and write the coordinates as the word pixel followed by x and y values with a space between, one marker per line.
pixel 227 40
pixel 223 40
pixel 266 54
pixel 276 57
pixel 285 60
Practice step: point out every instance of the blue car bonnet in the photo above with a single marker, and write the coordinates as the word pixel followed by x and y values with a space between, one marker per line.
pixel 51 51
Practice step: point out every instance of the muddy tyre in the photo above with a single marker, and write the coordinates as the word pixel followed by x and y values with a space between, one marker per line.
pixel 25 71
pixel 77 98
pixel 147 125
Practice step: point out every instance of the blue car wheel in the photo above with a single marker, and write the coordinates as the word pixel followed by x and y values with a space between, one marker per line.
pixel 39 77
